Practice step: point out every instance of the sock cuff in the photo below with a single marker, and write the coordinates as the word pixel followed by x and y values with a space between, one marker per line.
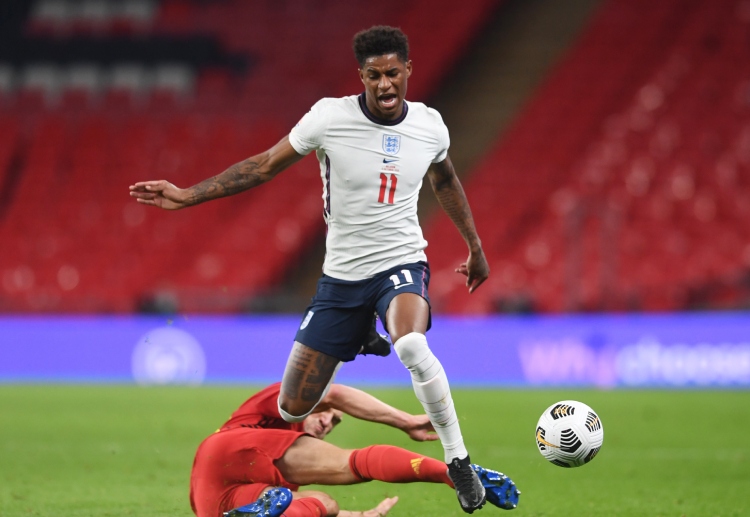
pixel 289 417
pixel 314 507
pixel 411 336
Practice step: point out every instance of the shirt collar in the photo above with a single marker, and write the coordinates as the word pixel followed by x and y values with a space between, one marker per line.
pixel 378 120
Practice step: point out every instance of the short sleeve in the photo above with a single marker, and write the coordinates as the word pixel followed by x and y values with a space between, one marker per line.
pixel 309 133
pixel 443 139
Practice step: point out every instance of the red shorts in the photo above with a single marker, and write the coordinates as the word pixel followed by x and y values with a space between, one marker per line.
pixel 233 467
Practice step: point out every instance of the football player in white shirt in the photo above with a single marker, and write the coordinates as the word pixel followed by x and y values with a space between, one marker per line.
pixel 374 149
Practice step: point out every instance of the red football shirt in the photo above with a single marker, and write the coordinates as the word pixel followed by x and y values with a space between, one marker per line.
pixel 261 411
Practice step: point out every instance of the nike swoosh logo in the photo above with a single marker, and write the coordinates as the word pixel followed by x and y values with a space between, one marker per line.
pixel 545 442
pixel 386 160
pixel 402 285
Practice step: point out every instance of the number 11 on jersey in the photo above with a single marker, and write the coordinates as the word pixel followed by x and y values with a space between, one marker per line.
pixel 384 180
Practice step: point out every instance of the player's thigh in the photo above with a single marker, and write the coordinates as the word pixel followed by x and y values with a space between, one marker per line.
pixel 224 463
pixel 407 313
pixel 313 461
pixel 402 300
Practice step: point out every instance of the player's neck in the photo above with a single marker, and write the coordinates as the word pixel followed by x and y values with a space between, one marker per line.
pixel 373 115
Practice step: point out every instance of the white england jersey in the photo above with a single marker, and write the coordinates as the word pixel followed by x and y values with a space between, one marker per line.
pixel 372 170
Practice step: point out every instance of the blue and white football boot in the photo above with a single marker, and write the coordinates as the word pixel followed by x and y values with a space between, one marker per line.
pixel 501 491
pixel 271 504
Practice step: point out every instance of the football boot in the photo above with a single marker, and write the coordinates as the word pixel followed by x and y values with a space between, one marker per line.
pixel 375 344
pixel 469 490
pixel 271 504
pixel 501 491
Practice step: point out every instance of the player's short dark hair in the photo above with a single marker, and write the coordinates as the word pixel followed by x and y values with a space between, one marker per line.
pixel 379 41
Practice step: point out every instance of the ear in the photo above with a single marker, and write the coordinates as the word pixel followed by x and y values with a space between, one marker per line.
pixel 361 75
pixel 408 68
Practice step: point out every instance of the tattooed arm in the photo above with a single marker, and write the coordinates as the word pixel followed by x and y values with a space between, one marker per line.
pixel 450 195
pixel 237 178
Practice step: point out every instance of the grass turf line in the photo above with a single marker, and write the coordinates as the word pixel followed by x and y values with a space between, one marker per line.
pixel 80 451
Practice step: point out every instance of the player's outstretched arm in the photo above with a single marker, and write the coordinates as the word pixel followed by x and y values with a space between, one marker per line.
pixel 450 194
pixel 364 406
pixel 237 178
pixel 379 511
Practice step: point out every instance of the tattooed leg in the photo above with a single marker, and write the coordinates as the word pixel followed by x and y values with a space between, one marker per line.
pixel 306 379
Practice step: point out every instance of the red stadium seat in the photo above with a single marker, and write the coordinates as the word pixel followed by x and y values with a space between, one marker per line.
pixel 649 144
pixel 79 243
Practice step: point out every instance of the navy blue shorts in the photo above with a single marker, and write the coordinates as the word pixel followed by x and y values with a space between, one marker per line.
pixel 341 313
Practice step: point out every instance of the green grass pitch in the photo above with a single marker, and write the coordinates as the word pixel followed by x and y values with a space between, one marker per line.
pixel 94 450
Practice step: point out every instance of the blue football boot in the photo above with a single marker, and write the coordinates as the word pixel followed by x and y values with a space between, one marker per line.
pixel 501 491
pixel 271 504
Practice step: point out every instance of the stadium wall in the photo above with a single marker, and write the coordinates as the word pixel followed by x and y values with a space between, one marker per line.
pixel 692 350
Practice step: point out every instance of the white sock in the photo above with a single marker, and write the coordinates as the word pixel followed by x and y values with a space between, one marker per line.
pixel 288 417
pixel 431 387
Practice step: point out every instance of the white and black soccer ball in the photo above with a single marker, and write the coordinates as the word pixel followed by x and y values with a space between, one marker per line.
pixel 569 433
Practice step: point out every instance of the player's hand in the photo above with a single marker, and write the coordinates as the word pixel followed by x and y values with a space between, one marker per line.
pixel 420 429
pixel 382 509
pixel 475 269
pixel 159 193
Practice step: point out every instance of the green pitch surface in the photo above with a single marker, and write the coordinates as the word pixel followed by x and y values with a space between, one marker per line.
pixel 109 451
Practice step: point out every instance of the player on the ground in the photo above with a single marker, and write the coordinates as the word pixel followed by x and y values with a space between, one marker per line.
pixel 254 464
pixel 374 150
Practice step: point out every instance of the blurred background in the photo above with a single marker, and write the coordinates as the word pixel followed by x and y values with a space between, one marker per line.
pixel 604 146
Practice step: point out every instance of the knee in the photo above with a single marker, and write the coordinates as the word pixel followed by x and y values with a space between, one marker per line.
pixel 412 349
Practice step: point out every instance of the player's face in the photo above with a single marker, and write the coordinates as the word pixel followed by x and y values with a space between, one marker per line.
pixel 385 79
pixel 320 424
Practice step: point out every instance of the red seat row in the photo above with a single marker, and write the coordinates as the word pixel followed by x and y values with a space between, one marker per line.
pixel 74 241
pixel 625 183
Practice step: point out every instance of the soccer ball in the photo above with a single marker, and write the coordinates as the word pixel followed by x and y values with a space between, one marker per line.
pixel 569 433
